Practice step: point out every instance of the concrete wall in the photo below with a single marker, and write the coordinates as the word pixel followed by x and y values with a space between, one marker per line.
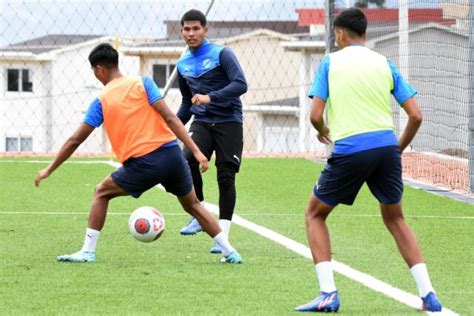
pixel 62 91
pixel 22 113
pixel 271 73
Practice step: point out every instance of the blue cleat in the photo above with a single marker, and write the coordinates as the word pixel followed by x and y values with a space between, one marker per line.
pixel 233 258
pixel 216 250
pixel 431 303
pixel 192 228
pixel 80 256
pixel 325 302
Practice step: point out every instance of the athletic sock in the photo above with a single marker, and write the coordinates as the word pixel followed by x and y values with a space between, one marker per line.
pixel 225 226
pixel 90 240
pixel 325 276
pixel 223 243
pixel 422 279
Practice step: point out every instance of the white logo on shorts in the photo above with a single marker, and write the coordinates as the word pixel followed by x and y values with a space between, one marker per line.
pixel 237 158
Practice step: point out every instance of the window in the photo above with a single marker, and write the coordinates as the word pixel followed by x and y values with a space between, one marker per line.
pixel 161 75
pixel 26 144
pixel 19 80
pixel 11 144
pixel 13 79
pixel 19 144
pixel 26 83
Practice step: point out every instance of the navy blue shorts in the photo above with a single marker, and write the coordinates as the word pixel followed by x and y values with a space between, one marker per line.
pixel 165 166
pixel 344 175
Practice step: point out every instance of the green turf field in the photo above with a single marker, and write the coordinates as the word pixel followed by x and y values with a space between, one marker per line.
pixel 177 275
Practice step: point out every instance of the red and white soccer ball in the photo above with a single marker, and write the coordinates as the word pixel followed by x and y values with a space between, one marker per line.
pixel 146 224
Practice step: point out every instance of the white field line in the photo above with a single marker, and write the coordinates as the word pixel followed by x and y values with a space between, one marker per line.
pixel 116 165
pixel 80 213
pixel 341 268
pixel 242 214
pixel 363 278
pixel 86 162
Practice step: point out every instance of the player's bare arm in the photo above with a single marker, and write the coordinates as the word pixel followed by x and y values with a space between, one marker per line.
pixel 414 121
pixel 68 148
pixel 178 129
pixel 317 119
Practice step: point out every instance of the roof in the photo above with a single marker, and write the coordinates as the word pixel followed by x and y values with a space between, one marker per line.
pixel 280 107
pixel 178 46
pixel 452 30
pixel 48 43
pixel 379 15
pixel 309 44
pixel 224 29
pixel 375 33
pixel 295 102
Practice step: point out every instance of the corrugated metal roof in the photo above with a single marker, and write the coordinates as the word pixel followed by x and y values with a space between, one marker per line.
pixel 48 43
pixel 224 29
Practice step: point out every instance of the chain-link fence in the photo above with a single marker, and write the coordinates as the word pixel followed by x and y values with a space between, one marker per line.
pixel 48 84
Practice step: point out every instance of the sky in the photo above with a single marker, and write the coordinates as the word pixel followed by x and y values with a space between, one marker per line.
pixel 23 20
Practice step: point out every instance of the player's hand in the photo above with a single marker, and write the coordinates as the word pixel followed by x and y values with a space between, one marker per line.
pixel 324 137
pixel 200 99
pixel 42 174
pixel 203 162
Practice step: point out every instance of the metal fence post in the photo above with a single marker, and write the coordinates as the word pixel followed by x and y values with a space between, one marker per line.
pixel 403 54
pixel 471 99
pixel 329 6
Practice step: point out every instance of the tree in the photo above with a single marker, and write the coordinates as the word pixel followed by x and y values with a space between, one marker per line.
pixel 365 3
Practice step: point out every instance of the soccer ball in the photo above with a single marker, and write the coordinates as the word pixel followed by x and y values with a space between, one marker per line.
pixel 146 224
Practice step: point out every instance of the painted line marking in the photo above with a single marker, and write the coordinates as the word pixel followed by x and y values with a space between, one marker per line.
pixel 241 214
pixel 353 274
pixel 80 213
pixel 339 267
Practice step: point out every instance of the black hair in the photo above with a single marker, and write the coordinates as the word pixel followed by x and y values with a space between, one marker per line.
pixel 352 19
pixel 104 55
pixel 194 15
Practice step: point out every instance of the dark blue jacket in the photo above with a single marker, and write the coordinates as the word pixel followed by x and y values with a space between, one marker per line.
pixel 211 70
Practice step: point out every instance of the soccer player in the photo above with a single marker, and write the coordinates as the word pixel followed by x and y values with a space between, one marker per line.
pixel 211 82
pixel 142 131
pixel 356 84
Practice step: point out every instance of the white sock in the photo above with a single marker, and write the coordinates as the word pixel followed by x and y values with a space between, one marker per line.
pixel 90 240
pixel 223 243
pixel 325 276
pixel 422 279
pixel 225 226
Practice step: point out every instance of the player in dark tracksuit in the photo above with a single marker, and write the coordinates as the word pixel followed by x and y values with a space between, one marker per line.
pixel 211 82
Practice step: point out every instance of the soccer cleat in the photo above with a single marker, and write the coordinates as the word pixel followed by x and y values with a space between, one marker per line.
pixel 80 256
pixel 325 302
pixel 431 303
pixel 215 250
pixel 192 228
pixel 233 258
